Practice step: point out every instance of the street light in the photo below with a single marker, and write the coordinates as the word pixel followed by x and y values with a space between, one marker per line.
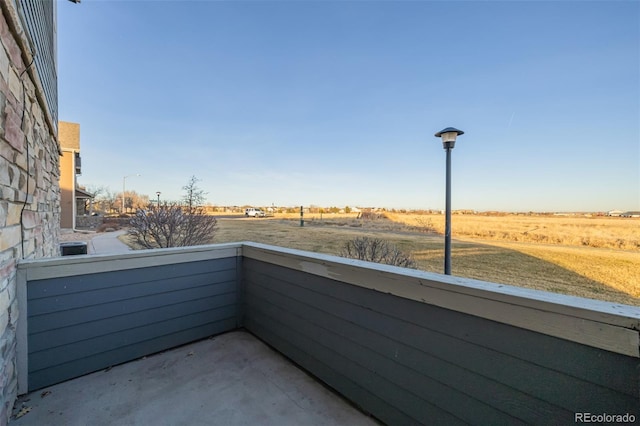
pixel 124 179
pixel 158 194
pixel 448 136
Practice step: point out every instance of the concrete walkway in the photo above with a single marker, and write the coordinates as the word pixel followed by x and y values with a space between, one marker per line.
pixel 231 379
pixel 108 243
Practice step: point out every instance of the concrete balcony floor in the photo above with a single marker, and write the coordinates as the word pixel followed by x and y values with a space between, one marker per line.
pixel 230 379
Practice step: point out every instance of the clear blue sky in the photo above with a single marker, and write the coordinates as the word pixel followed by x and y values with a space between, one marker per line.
pixel 336 102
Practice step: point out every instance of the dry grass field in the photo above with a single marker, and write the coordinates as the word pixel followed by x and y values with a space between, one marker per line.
pixel 580 231
pixel 580 270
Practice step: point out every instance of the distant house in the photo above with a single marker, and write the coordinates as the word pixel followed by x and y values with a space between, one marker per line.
pixel 615 213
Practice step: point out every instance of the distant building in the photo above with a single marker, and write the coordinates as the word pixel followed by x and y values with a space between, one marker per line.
pixel 72 199
pixel 631 214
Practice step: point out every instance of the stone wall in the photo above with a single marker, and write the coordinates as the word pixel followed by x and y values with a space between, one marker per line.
pixel 29 190
pixel 88 222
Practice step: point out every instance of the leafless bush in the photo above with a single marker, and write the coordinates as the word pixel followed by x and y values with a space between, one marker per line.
pixel 108 225
pixel 370 216
pixel 173 224
pixel 425 225
pixel 377 250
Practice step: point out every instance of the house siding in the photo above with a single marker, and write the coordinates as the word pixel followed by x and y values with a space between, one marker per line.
pixel 39 17
pixel 84 323
pixel 408 362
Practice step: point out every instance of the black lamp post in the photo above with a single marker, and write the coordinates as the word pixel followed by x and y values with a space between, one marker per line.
pixel 448 136
pixel 158 194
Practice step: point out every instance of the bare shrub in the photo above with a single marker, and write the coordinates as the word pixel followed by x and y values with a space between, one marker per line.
pixel 172 225
pixel 175 224
pixel 377 250
pixel 114 226
pixel 425 225
pixel 370 216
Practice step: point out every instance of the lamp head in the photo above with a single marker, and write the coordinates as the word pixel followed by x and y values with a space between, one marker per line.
pixel 449 136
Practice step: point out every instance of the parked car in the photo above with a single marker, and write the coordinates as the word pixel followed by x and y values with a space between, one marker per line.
pixel 254 212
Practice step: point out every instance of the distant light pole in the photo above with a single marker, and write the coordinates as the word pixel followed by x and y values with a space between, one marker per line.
pixel 448 136
pixel 124 179
pixel 158 194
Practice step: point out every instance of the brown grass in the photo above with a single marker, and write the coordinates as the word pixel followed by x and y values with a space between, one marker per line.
pixel 581 271
pixel 599 232
pixel 617 268
pixel 506 249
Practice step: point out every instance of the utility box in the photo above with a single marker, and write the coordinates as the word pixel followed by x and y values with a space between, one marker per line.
pixel 72 248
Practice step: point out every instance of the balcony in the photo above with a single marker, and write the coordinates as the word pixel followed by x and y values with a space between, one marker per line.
pixel 405 346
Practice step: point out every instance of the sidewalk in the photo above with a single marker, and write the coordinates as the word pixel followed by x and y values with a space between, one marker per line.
pixel 107 243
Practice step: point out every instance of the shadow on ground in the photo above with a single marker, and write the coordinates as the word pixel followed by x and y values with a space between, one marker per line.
pixel 507 266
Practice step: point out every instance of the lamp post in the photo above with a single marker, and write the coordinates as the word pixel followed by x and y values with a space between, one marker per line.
pixel 158 194
pixel 448 136
pixel 124 179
